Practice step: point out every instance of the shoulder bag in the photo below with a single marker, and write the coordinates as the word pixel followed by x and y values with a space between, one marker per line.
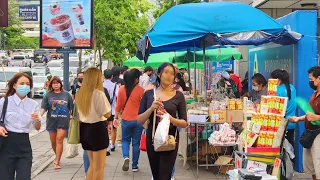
pixel 170 143
pixel 74 127
pixel 113 94
pixel 307 138
pixel 3 115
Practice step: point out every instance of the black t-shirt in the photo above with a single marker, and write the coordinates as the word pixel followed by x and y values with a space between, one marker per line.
pixel 75 89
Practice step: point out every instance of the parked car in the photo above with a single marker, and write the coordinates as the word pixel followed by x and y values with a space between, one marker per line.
pixel 40 71
pixel 38 84
pixel 54 65
pixel 59 73
pixel 20 61
pixel 4 58
pixel 30 53
pixel 7 74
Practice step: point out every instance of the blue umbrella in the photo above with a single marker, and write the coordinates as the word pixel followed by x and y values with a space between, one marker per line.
pixel 204 24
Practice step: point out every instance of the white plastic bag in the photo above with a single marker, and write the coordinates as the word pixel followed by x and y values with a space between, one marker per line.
pixel 162 131
pixel 71 151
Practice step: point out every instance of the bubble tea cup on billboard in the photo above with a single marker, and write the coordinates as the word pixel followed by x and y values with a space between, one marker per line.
pixel 62 26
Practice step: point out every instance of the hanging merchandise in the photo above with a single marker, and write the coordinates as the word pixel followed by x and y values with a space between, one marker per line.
pixel 273 87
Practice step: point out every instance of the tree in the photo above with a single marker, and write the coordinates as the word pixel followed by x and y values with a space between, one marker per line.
pixel 164 5
pixel 118 25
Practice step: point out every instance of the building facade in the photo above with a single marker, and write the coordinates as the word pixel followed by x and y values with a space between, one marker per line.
pixel 29 11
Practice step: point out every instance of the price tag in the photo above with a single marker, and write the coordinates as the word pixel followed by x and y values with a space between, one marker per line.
pixel 215 116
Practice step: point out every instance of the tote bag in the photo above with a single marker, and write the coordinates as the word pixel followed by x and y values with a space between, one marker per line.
pixel 74 128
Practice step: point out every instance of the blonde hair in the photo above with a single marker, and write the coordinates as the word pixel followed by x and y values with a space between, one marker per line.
pixel 92 80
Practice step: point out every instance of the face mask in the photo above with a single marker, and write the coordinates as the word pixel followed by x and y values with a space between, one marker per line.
pixel 312 86
pixel 255 88
pixel 23 90
pixel 80 80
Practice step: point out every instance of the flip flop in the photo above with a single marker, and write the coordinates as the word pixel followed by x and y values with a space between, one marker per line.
pixel 57 166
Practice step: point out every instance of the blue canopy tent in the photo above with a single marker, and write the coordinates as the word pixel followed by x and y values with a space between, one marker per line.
pixel 200 25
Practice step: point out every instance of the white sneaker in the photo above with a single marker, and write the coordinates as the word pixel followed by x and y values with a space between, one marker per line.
pixel 152 178
pixel 125 166
pixel 172 178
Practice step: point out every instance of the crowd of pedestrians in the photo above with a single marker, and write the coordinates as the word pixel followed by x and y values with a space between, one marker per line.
pixel 120 103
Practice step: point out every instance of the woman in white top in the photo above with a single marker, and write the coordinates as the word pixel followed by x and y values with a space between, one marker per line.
pixel 94 110
pixel 21 113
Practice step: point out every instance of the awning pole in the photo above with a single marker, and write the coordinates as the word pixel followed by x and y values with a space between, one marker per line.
pixel 189 70
pixel 195 72
pixel 205 72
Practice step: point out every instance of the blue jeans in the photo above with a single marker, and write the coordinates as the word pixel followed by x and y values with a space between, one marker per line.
pixel 86 162
pixel 131 131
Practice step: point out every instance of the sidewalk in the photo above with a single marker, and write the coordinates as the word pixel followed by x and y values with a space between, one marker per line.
pixel 73 168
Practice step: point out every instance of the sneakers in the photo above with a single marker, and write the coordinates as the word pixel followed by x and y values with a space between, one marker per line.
pixel 135 169
pixel 108 153
pixel 125 166
pixel 112 147
pixel 172 178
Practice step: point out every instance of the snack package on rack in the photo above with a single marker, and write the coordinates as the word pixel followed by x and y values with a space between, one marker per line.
pixel 273 105
pixel 224 137
pixel 273 87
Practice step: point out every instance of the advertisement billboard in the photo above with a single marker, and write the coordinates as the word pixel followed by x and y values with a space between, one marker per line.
pixel 267 58
pixel 66 23
pixel 4 13
pixel 28 12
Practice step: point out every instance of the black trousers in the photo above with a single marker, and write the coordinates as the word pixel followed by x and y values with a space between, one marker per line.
pixel 16 157
pixel 161 163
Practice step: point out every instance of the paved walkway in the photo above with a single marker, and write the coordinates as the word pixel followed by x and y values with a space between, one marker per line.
pixel 73 168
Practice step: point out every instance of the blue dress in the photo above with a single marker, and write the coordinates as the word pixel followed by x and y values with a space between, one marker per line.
pixel 291 106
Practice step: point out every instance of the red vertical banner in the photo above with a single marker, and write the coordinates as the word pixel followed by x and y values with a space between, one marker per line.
pixel 3 13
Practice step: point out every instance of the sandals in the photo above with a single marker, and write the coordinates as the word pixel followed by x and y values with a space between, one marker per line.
pixel 57 166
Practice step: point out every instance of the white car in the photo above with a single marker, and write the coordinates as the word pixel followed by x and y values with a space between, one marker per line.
pixel 59 73
pixel 55 65
pixel 7 74
pixel 38 84
pixel 20 61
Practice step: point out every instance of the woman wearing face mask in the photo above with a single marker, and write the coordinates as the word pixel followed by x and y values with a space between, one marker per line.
pixel 259 88
pixel 174 103
pixel 21 113
pixel 129 97
pixel 311 156
pixel 58 103
pixel 285 89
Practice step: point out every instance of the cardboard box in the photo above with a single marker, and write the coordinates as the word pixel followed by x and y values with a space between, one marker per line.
pixel 235 116
pixel 225 163
pixel 211 149
pixel 218 116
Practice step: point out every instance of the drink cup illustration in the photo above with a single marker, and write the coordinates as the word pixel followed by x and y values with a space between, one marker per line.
pixel 62 26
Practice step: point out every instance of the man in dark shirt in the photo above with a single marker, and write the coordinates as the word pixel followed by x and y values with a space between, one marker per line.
pixel 77 85
pixel 311 157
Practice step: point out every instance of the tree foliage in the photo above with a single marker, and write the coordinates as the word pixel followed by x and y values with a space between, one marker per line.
pixel 118 25
pixel 164 5
pixel 12 36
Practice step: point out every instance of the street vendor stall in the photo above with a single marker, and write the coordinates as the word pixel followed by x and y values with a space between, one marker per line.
pixel 210 24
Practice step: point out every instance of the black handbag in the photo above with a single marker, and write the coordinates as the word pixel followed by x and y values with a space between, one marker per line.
pixel 307 138
pixel 3 115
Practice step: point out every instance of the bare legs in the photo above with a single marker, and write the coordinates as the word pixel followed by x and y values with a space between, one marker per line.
pixel 97 161
pixel 56 139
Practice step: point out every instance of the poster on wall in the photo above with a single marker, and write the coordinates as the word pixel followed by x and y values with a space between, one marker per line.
pixel 218 68
pixel 28 12
pixel 3 13
pixel 265 59
pixel 66 23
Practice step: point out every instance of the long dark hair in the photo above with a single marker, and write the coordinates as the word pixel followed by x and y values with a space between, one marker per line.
pixel 129 79
pixel 282 75
pixel 259 78
pixel 14 81
pixel 160 70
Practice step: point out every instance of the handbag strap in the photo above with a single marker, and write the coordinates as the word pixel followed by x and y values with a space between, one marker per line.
pixel 155 119
pixel 75 113
pixel 4 110
pixel 113 94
